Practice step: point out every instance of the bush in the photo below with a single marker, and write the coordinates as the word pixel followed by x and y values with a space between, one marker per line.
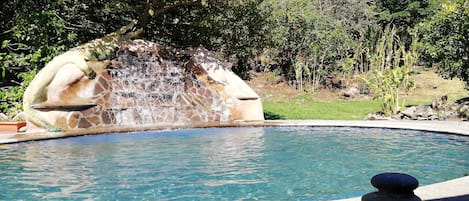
pixel 12 96
pixel 392 65
pixel 445 40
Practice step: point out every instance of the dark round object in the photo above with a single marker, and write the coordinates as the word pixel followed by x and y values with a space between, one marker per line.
pixel 377 196
pixel 395 183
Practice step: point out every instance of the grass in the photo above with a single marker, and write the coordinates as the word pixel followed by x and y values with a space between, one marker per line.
pixel 428 85
pixel 326 106
pixel 328 110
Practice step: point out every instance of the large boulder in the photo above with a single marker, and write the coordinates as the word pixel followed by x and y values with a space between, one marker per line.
pixel 351 92
pixel 242 101
pixel 439 109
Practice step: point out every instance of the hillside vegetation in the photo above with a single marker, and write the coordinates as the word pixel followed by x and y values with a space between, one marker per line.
pixel 310 45
pixel 282 101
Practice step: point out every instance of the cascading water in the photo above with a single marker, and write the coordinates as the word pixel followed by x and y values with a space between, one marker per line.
pixel 148 84
pixel 151 85
pixel 145 96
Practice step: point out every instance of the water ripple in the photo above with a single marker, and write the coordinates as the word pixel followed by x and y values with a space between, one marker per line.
pixel 301 163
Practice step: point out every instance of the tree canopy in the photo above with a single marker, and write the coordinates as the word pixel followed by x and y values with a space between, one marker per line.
pixel 445 39
pixel 34 32
pixel 306 41
pixel 309 39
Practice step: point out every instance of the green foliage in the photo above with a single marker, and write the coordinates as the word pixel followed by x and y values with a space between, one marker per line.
pixel 33 32
pixel 386 86
pixel 445 39
pixel 33 40
pixel 237 30
pixel 307 41
pixel 11 97
pixel 392 68
pixel 44 29
pixel 404 14
pixel 312 39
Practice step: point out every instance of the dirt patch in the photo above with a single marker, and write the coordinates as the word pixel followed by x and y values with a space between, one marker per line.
pixel 428 85
pixel 271 87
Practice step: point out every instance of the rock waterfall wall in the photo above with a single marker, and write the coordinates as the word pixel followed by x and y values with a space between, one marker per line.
pixel 148 84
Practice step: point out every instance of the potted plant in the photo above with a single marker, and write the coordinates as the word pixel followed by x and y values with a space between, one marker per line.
pixel 11 124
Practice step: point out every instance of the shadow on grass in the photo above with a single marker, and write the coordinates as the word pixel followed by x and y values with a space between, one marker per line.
pixel 272 116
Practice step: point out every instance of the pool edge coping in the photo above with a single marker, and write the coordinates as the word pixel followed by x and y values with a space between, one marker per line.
pixel 450 188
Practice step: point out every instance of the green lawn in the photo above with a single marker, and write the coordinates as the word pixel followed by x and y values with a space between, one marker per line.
pixel 337 109
pixel 303 106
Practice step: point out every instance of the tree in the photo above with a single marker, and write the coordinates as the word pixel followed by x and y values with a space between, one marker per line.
pixel 445 39
pixel 41 30
pixel 312 39
pixel 33 32
pixel 404 14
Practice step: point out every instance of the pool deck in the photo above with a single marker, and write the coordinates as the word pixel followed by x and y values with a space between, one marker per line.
pixel 452 190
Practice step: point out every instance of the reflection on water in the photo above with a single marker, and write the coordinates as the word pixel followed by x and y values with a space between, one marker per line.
pixel 225 164
pixel 59 170
pixel 76 168
pixel 227 153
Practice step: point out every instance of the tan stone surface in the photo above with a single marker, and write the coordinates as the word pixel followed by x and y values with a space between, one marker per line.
pixel 146 84
pixel 244 103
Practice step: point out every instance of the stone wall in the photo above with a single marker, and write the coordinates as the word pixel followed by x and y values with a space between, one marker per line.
pixel 150 84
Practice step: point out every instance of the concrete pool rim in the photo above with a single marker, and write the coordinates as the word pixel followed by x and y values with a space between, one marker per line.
pixel 452 188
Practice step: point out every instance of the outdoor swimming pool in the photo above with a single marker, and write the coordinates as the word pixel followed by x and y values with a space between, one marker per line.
pixel 253 163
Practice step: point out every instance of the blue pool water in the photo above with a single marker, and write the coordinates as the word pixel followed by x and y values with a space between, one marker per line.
pixel 298 163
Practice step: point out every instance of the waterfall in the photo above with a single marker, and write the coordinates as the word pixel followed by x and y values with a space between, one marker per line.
pixel 145 91
pixel 150 85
